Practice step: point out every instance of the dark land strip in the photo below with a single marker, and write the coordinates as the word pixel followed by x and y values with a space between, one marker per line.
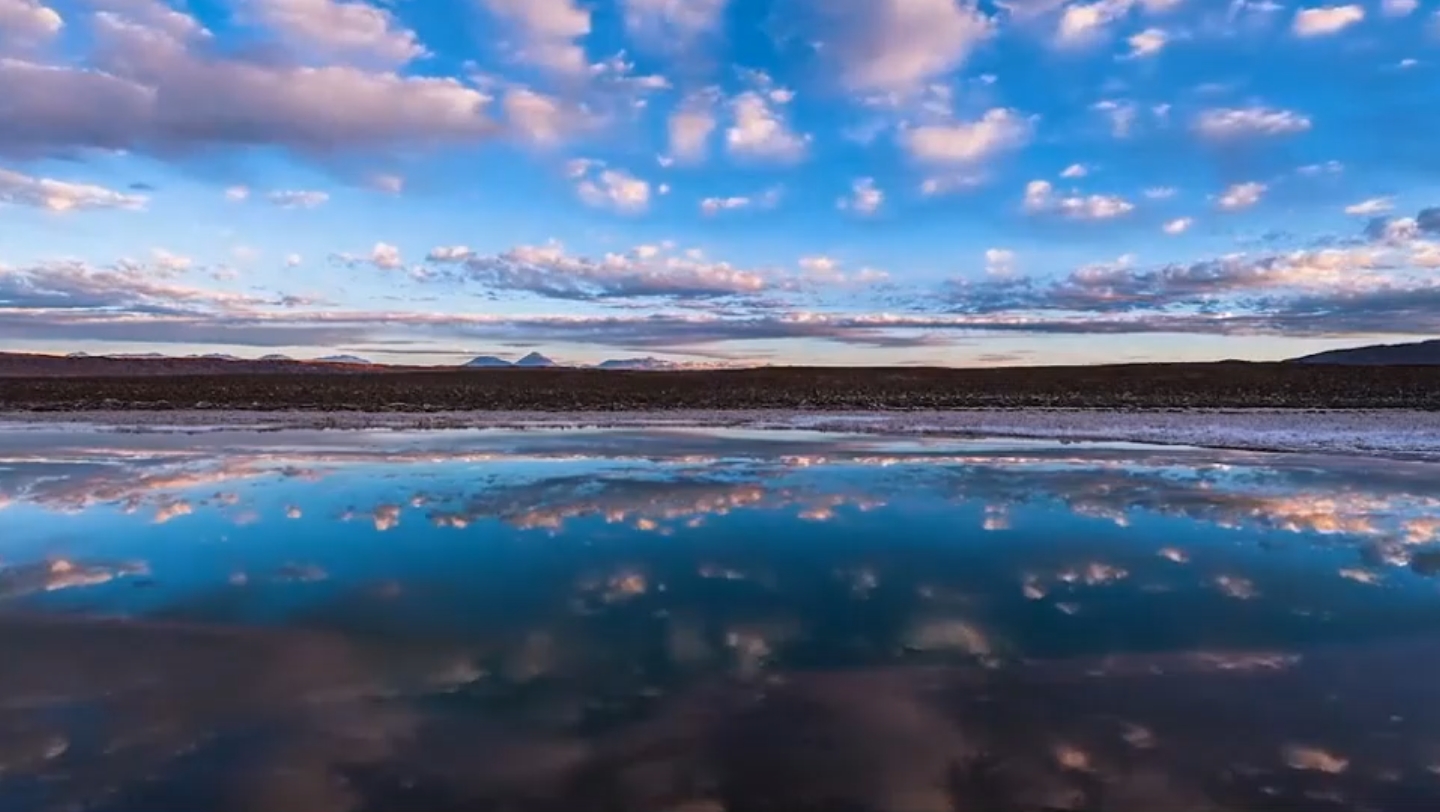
pixel 1144 386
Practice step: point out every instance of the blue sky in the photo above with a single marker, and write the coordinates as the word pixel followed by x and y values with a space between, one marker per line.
pixel 719 181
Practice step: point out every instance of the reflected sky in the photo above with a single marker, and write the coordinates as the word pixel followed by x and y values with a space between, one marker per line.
pixel 619 619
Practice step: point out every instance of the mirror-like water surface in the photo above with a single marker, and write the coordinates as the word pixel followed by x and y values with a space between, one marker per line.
pixel 710 620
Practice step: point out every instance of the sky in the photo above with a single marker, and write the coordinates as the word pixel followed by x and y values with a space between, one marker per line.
pixel 719 181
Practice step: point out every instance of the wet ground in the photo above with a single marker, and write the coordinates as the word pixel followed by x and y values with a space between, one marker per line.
pixel 710 620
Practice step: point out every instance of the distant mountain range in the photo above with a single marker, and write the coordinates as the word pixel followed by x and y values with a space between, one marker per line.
pixel 154 363
pixel 536 360
pixel 487 361
pixel 1422 353
pixel 220 356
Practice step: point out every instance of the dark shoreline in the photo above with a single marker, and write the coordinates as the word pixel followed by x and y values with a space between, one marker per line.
pixel 821 389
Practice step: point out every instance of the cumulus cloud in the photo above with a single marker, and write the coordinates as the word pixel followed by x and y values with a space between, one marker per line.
pixel 864 199
pixel 897 45
pixel 1148 43
pixel 1325 20
pixel 551 272
pixel 999 262
pixel 612 189
pixel 1082 22
pixel 950 183
pixel 153 84
pixel 1180 225
pixel 339 29
pixel 1075 171
pixel 449 253
pixel 672 24
pixel 767 199
pixel 1314 279
pixel 386 256
pixel 298 199
pixel 74 287
pixel 998 130
pixel 1242 196
pixel 690 127
pixel 1399 8
pixel 20 189
pixel 547 32
pixel 760 130
pixel 25 23
pixel 1040 198
pixel 237 193
pixel 1371 207
pixel 168 263
pixel 387 183
pixel 1122 114
pixel 1237 122
pixel 541 119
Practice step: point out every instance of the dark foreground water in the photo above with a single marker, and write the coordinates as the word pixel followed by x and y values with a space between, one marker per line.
pixel 702 621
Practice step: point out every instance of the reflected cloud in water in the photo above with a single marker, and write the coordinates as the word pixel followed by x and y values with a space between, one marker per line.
pixel 710 620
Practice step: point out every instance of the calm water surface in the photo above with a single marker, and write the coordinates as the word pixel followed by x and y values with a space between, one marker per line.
pixel 693 621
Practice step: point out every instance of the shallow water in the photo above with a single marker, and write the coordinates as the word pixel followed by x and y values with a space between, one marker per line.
pixel 705 620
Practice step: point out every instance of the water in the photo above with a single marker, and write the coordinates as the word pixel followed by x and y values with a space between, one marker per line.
pixel 708 620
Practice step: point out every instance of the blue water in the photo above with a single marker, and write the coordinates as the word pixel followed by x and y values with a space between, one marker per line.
pixel 628 620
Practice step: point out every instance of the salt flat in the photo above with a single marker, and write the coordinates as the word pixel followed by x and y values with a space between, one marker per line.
pixel 1400 434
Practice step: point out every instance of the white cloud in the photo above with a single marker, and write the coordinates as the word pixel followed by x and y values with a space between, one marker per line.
pixel 1122 114
pixel 765 200
pixel 1399 8
pixel 1160 192
pixel 339 29
pixel 672 24
pixel 390 184
pixel 1327 168
pixel 155 83
pixel 1083 22
pixel 1075 171
pixel 1242 196
pixel 1179 225
pixel 20 189
pixel 449 253
pixel 616 190
pixel 1095 207
pixel 1235 122
pixel 645 271
pixel 24 23
pixel 540 119
pixel 1038 194
pixel 1371 207
pixel 237 193
pixel 1148 43
pixel 298 199
pixel 760 130
pixel 999 262
pixel 293 260
pixel 1040 198
pixel 169 263
pixel 547 31
pixel 1326 20
pixel 864 199
pixel 690 127
pixel 386 256
pixel 997 131
pixel 896 45
pixel 714 205
pixel 949 183
pixel 820 264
